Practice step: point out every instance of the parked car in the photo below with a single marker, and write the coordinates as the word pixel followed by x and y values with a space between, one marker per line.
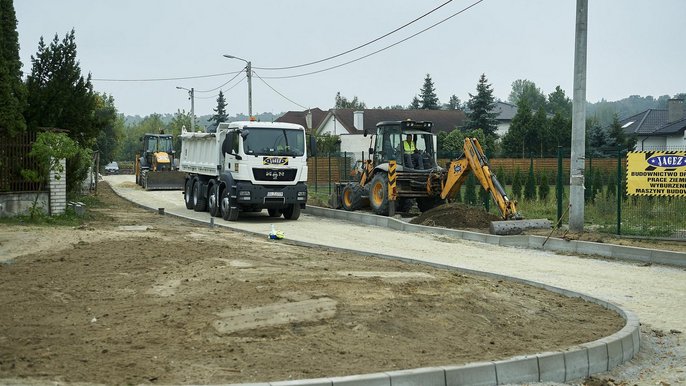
pixel 112 168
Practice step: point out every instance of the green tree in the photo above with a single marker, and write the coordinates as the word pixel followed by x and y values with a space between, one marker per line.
pixel 616 133
pixel 530 184
pixel 49 150
pixel 427 95
pixel 111 127
pixel 220 111
pixel 559 103
pixel 415 104
pixel 454 103
pixel 342 102
pixel 481 108
pixel 12 89
pixel 541 133
pixel 180 121
pixel 470 197
pixel 560 129
pixel 59 96
pixel 131 145
pixel 328 144
pixel 543 187
pixel 517 141
pixel 517 184
pixel 526 89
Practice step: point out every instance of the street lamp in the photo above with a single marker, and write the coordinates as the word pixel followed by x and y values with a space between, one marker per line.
pixel 191 96
pixel 248 71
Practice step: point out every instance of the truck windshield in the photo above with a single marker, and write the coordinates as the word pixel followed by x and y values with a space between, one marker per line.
pixel 267 141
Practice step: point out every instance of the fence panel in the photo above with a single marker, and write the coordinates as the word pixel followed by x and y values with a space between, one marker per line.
pixel 13 159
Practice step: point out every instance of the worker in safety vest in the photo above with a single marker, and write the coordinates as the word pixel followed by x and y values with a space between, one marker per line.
pixel 412 157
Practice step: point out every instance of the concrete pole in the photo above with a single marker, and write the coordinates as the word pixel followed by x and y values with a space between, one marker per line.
pixel 248 69
pixel 192 95
pixel 577 162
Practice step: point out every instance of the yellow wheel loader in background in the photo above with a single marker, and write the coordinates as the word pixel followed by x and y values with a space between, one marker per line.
pixel 391 178
pixel 155 166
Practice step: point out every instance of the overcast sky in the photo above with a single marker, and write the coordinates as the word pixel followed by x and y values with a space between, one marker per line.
pixel 634 47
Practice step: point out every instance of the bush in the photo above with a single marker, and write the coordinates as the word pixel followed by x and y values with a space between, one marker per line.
pixel 543 188
pixel 530 186
pixel 517 184
pixel 470 190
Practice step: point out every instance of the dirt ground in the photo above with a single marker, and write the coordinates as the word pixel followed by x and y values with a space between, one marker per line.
pixel 137 297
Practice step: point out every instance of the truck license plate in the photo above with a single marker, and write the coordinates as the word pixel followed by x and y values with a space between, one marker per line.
pixel 274 194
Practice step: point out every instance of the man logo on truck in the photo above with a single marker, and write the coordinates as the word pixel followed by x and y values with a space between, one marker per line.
pixel 275 161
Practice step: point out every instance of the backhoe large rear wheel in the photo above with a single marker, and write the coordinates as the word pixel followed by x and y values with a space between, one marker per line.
pixel 378 194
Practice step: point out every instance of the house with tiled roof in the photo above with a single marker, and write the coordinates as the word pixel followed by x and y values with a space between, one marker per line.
pixel 658 129
pixel 316 116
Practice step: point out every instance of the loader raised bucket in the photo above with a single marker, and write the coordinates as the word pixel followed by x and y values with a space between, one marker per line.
pixel 515 227
pixel 163 180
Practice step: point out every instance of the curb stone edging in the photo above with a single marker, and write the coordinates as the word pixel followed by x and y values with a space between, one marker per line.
pixel 620 252
pixel 575 364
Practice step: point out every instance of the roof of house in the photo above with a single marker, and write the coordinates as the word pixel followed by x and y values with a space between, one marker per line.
pixel 299 117
pixel 443 120
pixel 652 122
pixel 506 111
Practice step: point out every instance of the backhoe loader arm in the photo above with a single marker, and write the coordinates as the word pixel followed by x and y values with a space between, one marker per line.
pixel 475 160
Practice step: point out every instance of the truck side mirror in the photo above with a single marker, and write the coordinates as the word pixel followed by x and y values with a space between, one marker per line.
pixel 371 150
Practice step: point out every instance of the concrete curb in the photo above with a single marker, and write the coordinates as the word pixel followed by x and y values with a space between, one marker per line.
pixel 553 244
pixel 573 363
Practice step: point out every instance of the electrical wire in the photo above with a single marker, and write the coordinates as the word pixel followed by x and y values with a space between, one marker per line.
pixel 224 91
pixel 283 96
pixel 224 84
pixel 165 79
pixel 358 47
pixel 377 51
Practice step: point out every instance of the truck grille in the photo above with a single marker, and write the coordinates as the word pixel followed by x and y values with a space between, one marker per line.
pixel 274 174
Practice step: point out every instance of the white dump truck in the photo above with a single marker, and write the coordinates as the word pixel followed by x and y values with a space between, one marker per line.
pixel 246 167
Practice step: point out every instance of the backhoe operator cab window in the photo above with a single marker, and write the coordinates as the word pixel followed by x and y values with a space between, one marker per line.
pixel 389 141
pixel 278 142
pixel 156 144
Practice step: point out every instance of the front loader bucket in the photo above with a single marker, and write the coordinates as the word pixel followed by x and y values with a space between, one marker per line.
pixel 163 180
pixel 515 227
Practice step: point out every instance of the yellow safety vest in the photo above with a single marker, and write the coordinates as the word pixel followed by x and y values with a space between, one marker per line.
pixel 409 147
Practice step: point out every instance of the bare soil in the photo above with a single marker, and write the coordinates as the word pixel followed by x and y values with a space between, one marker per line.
pixel 137 297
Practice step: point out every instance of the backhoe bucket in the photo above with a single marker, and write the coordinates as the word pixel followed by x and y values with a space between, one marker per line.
pixel 515 227
pixel 163 180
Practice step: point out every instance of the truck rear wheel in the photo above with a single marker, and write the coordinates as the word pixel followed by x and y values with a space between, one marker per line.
pixel 292 212
pixel 188 193
pixel 213 201
pixel 199 201
pixel 378 194
pixel 228 213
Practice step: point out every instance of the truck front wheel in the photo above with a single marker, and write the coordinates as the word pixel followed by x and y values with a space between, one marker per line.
pixel 291 212
pixel 228 213
pixel 213 201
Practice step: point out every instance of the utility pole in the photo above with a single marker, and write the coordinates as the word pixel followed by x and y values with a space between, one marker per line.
pixel 577 162
pixel 191 96
pixel 248 71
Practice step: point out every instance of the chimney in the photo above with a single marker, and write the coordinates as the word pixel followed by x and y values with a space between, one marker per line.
pixel 358 120
pixel 675 109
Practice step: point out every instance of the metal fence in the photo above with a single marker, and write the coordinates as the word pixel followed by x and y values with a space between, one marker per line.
pixel 607 207
pixel 14 158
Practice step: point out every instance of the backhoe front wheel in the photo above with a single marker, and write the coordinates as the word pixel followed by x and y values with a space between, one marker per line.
pixel 378 194
pixel 351 198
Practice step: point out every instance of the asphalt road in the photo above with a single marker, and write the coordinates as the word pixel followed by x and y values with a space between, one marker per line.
pixel 657 294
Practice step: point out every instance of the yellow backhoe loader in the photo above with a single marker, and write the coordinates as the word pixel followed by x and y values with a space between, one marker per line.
pixel 155 166
pixel 398 172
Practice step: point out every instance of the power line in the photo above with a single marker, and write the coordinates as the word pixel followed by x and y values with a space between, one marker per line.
pixel 377 51
pixel 283 96
pixel 358 47
pixel 224 91
pixel 224 84
pixel 165 79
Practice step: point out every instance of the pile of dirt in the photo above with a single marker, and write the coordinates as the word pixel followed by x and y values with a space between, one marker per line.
pixel 456 216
